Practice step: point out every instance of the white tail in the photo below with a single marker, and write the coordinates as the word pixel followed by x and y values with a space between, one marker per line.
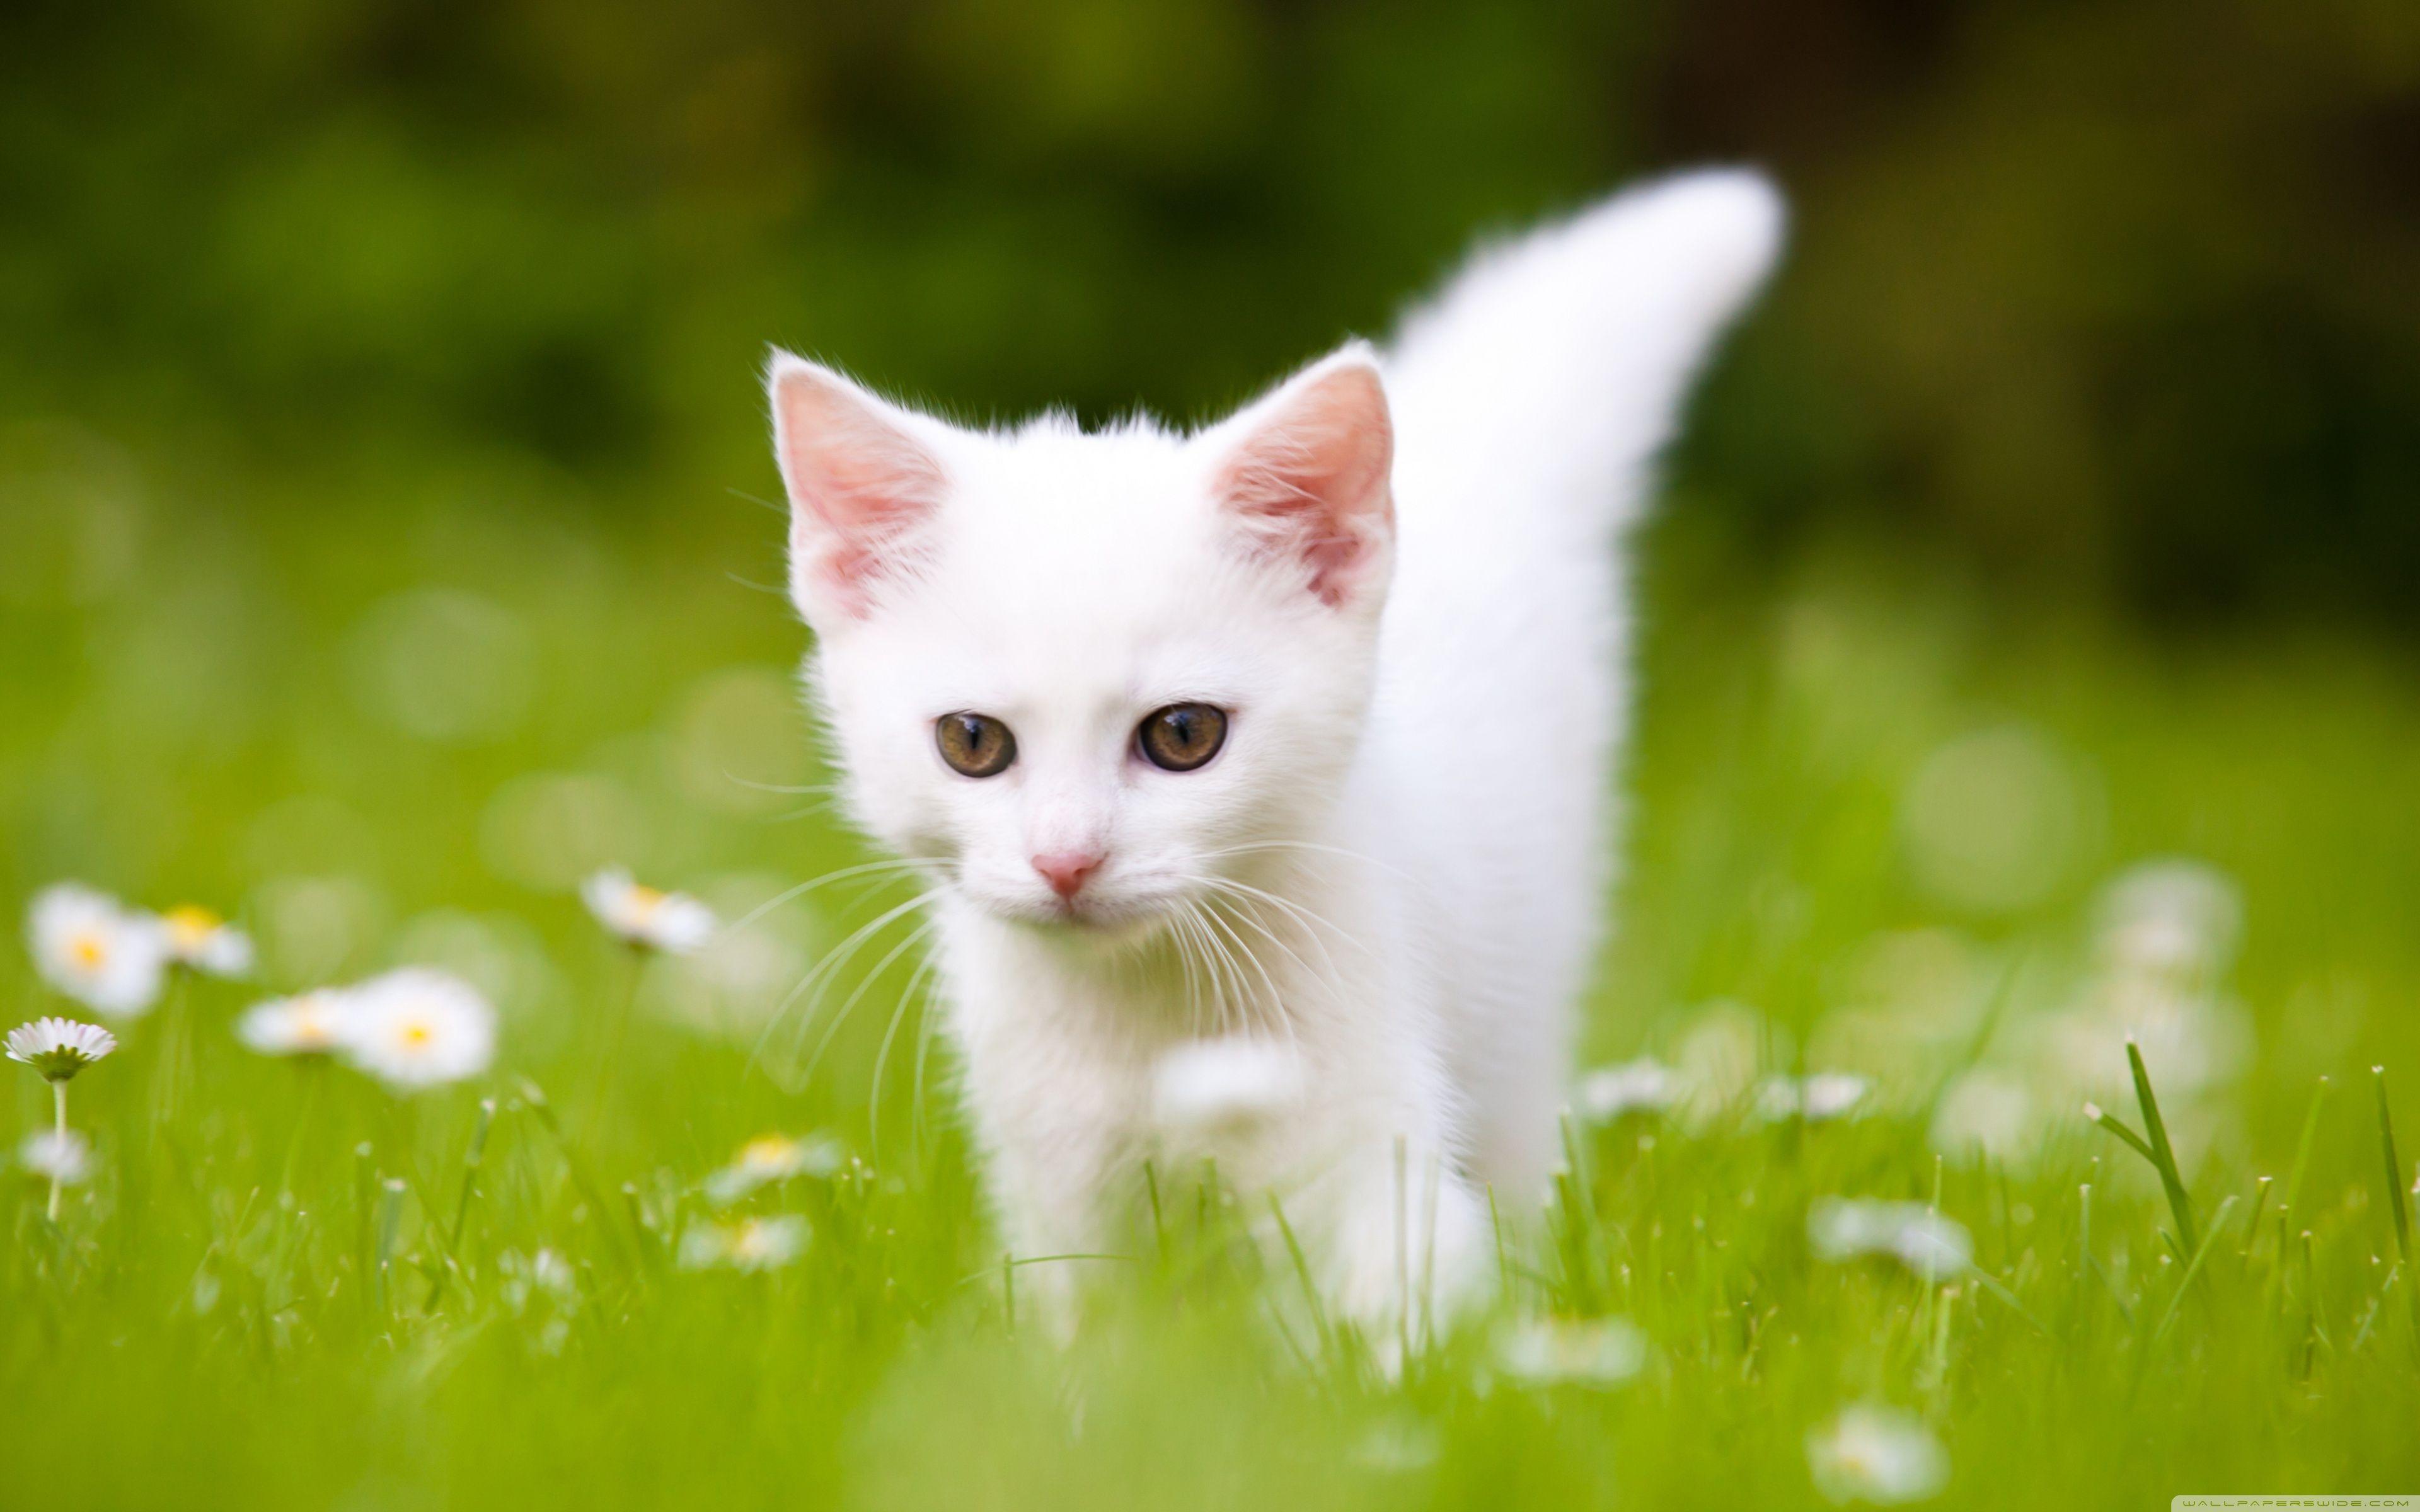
pixel 1530 400
pixel 1554 364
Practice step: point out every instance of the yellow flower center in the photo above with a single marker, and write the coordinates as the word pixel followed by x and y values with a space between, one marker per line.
pixel 88 950
pixel 416 1035
pixel 767 1149
pixel 190 924
pixel 644 900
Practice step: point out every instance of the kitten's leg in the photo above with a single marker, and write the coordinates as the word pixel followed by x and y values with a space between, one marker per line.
pixel 1050 1187
pixel 1408 1244
pixel 1053 1109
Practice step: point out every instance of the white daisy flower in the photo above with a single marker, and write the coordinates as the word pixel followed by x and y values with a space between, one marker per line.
pixel 2176 917
pixel 672 922
pixel 307 1023
pixel 1825 1095
pixel 1715 1064
pixel 751 1244
pixel 1398 1445
pixel 1934 1247
pixel 202 940
pixel 1544 1351
pixel 1878 1455
pixel 419 1027
pixel 1643 1086
pixel 58 1049
pixel 59 1154
pixel 545 1275
pixel 1989 1110
pixel 1224 1086
pixel 770 1158
pixel 108 957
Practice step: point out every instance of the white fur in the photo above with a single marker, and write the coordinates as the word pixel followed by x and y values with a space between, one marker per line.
pixel 1397 864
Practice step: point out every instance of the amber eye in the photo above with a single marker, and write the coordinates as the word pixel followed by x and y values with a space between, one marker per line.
pixel 975 745
pixel 1181 736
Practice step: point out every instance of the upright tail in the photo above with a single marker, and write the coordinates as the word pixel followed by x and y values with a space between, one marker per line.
pixel 1529 401
pixel 1554 364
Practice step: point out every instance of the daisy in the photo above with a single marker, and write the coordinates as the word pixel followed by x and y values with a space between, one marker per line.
pixel 1990 1110
pixel 545 1275
pixel 1824 1096
pixel 1543 1352
pixel 1875 1454
pixel 1932 1247
pixel 2179 919
pixel 203 941
pixel 419 1027
pixel 751 1244
pixel 1224 1086
pixel 1644 1085
pixel 96 951
pixel 58 1049
pixel 770 1158
pixel 60 1155
pixel 672 922
pixel 307 1023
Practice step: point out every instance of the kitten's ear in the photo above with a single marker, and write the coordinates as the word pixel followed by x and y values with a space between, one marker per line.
pixel 861 486
pixel 1306 470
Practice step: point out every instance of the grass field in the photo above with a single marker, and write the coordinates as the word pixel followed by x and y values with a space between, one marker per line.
pixel 1883 824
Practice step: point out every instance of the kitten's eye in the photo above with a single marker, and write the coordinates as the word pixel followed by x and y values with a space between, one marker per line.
pixel 1181 736
pixel 975 745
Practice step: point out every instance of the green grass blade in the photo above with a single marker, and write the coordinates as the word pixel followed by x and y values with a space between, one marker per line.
pixel 2097 1114
pixel 1302 1274
pixel 2398 1202
pixel 2093 1261
pixel 2303 1151
pixel 2155 1130
pixel 2184 1283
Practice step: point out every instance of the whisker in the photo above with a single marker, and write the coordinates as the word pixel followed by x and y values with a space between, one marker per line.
pixel 1261 847
pixel 1312 923
pixel 925 1024
pixel 1190 932
pixel 1276 1003
pixel 1248 917
pixel 831 961
pixel 849 1005
pixel 882 1056
pixel 788 894
pixel 1234 976
pixel 1211 968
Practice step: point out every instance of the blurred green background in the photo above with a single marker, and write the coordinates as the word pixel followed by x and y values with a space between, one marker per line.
pixel 2113 297
pixel 382 457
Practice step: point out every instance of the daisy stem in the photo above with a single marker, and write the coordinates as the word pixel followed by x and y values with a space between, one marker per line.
pixel 616 1036
pixel 462 1203
pixel 308 1065
pixel 390 1219
pixel 58 1125
pixel 172 1068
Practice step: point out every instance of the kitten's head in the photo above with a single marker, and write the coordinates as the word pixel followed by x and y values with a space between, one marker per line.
pixel 1089 677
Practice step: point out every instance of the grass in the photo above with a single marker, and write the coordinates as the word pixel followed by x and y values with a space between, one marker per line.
pixel 1876 825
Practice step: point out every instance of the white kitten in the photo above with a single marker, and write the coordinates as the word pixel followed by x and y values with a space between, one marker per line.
pixel 1296 730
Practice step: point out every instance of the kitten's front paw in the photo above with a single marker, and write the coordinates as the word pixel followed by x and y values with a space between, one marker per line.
pixel 1403 1279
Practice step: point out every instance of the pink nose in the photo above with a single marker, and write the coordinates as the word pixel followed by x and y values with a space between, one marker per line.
pixel 1065 871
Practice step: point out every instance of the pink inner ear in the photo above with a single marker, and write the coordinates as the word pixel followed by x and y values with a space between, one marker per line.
pixel 859 487
pixel 1311 479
